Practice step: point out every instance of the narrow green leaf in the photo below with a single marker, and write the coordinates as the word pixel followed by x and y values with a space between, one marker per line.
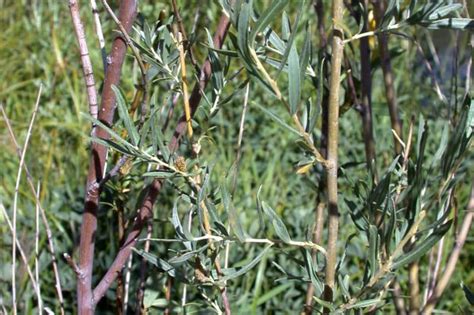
pixel 242 30
pixel 318 285
pixel 109 130
pixel 285 27
pixel 305 53
pixel 277 119
pixel 225 52
pixel 319 99
pixel 294 77
pixel 112 145
pixel 187 224
pixel 373 248
pixel 234 220
pixel 267 17
pixel 159 174
pixel 123 113
pixel 444 10
pixel 289 44
pixel 326 304
pixel 451 23
pixel 217 77
pixel 278 225
pixel 273 293
pixel 422 248
pixel 157 262
pixel 365 303
pixel 178 260
pixel 468 293
pixel 246 268
pixel 276 41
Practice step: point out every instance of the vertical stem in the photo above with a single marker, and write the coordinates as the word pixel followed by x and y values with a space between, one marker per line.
pixel 320 204
pixel 15 198
pixel 85 302
pixel 333 135
pixel 99 32
pixel 143 273
pixel 390 93
pixel 87 70
pixel 366 101
pixel 414 288
pixel 120 291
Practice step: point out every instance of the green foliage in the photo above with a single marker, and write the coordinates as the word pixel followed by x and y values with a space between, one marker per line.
pixel 211 207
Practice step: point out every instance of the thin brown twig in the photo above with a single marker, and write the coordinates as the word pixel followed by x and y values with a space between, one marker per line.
pixel 414 288
pixel 87 70
pixel 182 30
pixel 128 273
pixel 72 264
pixel 169 285
pixel 143 272
pixel 240 136
pixel 453 258
pixel 390 93
pixel 366 97
pixel 49 234
pixel 37 238
pixel 24 259
pixel 99 33
pixel 15 196
pixel 184 85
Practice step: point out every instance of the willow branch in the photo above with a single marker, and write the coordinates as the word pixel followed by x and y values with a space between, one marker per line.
pixel 333 142
pixel 182 30
pixel 100 33
pixel 390 92
pixel 86 302
pixel 366 101
pixel 87 70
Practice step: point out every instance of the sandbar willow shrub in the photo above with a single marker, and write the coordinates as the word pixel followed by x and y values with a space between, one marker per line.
pixel 222 228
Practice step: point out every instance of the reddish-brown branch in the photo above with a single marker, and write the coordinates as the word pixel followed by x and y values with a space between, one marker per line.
pixel 86 302
pixel 390 93
pixel 145 212
pixel 366 100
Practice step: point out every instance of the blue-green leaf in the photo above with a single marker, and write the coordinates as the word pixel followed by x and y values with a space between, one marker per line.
pixel 246 268
pixel 422 248
pixel 294 77
pixel 123 113
pixel 278 225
